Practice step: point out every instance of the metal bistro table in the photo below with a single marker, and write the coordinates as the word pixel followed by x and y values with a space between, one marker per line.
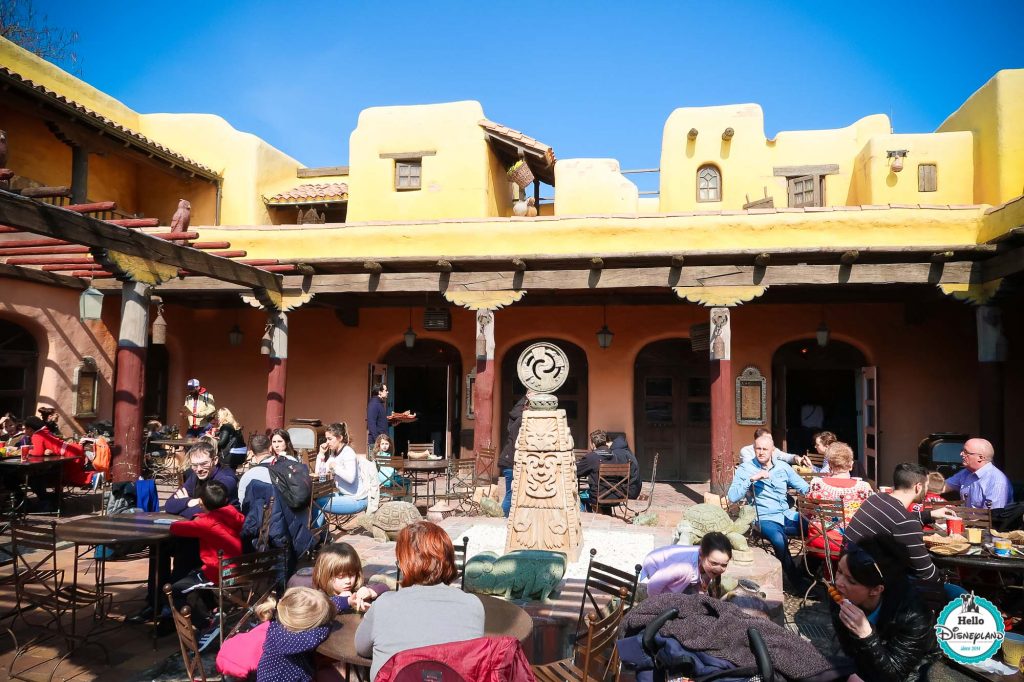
pixel 33 467
pixel 425 471
pixel 501 618
pixel 141 528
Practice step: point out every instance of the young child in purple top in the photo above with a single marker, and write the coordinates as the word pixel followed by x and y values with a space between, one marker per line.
pixel 302 623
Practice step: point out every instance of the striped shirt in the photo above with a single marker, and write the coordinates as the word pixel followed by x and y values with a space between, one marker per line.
pixel 883 514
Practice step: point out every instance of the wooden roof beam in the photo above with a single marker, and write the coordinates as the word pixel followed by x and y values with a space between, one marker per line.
pixel 58 223
pixel 32 275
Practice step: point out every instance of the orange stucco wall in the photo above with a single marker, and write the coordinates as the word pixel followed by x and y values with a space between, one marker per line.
pixel 51 316
pixel 927 369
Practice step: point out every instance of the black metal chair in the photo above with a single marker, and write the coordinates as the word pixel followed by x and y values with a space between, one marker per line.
pixel 602 578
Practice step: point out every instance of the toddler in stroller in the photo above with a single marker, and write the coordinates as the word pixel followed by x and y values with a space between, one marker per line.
pixel 677 636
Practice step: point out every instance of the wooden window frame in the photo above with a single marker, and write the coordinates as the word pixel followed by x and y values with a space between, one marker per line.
pixel 409 163
pixel 922 179
pixel 718 173
pixel 817 190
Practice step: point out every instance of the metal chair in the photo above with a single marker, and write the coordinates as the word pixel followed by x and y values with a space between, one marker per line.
pixel 598 656
pixel 462 485
pixel 822 516
pixel 609 580
pixel 461 552
pixel 420 447
pixel 394 486
pixel 319 515
pixel 191 656
pixel 485 465
pixel 612 487
pixel 648 495
pixel 245 581
pixel 40 584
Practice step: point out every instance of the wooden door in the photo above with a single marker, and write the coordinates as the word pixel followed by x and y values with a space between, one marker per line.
pixel 672 414
pixel 869 419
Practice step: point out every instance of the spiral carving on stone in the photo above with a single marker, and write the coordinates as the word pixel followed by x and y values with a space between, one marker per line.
pixel 543 367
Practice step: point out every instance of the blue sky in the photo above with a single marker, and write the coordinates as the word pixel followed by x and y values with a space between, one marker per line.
pixel 592 79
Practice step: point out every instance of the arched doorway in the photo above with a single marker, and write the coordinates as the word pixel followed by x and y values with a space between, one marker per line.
pixel 19 356
pixel 425 380
pixel 572 396
pixel 815 389
pixel 672 411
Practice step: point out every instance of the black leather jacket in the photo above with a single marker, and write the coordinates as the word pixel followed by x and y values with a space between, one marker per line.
pixel 902 644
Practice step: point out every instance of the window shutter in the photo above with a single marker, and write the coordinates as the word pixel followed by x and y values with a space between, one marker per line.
pixel 927 177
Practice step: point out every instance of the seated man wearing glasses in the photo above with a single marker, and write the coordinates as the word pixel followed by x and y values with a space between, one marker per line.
pixel 203 467
pixel 980 483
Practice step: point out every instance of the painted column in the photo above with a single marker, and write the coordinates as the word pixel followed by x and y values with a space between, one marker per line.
pixel 722 400
pixel 278 375
pixel 992 353
pixel 483 388
pixel 130 382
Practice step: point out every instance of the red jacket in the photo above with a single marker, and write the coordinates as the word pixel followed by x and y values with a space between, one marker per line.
pixel 74 469
pixel 485 659
pixel 220 529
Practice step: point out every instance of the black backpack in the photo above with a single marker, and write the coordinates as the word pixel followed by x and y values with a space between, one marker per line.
pixel 291 481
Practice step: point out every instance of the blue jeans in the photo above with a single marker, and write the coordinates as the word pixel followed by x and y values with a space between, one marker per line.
pixel 338 504
pixel 776 534
pixel 506 504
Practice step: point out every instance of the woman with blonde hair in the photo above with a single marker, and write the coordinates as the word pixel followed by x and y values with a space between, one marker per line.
pixel 426 611
pixel 230 441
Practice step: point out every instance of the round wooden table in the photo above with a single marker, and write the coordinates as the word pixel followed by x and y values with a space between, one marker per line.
pixel 501 618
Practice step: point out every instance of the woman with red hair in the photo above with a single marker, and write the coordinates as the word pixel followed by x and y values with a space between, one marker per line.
pixel 426 610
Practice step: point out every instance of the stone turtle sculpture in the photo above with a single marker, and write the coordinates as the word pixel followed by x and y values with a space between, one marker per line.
pixel 522 574
pixel 701 519
pixel 390 518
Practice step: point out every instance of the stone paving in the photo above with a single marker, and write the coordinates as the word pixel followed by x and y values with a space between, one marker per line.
pixel 133 657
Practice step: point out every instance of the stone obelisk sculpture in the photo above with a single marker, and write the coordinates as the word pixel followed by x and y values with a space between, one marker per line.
pixel 545 499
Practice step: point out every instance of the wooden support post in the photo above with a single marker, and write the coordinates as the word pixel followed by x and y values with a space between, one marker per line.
pixel 79 175
pixel 992 354
pixel 130 382
pixel 277 378
pixel 722 400
pixel 483 388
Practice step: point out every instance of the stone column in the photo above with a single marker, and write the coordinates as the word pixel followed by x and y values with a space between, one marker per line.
pixel 277 378
pixel 483 388
pixel 992 353
pixel 130 382
pixel 723 400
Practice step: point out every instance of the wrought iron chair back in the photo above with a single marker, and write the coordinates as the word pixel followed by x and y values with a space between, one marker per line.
pixel 318 513
pixel 646 495
pixel 602 578
pixel 612 485
pixel 822 516
pixel 187 639
pixel 485 466
pixel 245 581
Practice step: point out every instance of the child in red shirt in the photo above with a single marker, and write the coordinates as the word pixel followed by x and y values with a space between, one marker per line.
pixel 218 528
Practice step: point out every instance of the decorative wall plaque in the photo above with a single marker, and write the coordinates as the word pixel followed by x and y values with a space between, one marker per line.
pixel 86 386
pixel 751 397
pixel 543 368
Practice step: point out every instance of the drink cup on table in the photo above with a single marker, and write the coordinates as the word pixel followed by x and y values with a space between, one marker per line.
pixel 954 526
pixel 974 536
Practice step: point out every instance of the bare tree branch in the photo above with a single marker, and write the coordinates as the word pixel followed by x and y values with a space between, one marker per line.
pixel 20 24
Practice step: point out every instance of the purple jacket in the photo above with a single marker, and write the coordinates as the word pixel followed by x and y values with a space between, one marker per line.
pixel 180 506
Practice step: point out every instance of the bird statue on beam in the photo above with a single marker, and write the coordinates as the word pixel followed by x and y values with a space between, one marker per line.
pixel 182 217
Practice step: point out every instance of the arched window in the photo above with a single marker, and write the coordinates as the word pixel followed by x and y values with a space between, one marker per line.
pixel 709 184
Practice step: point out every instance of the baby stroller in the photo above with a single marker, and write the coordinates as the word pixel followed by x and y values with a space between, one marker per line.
pixel 663 659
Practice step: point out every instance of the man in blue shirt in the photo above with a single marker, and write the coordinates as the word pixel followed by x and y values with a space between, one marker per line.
pixel 376 413
pixel 771 480
pixel 980 483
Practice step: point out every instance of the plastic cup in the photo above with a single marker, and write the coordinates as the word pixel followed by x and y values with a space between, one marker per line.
pixel 1001 546
pixel 954 526
pixel 25 450
pixel 974 536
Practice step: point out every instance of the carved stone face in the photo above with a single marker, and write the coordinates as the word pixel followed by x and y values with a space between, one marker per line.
pixel 541 474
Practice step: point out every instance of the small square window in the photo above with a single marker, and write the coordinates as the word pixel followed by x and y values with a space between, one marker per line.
pixel 806 190
pixel 407 174
pixel 927 177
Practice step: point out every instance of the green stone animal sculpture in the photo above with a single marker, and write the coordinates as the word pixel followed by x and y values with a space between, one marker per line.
pixel 390 518
pixel 701 519
pixel 523 574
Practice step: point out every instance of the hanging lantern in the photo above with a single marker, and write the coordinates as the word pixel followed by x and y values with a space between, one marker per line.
pixel 159 327
pixel 822 334
pixel 90 304
pixel 409 335
pixel 235 336
pixel 267 342
pixel 604 334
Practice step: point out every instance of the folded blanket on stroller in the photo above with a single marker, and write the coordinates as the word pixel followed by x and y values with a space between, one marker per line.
pixel 720 629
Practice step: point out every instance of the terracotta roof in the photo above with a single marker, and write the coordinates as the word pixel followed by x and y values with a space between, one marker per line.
pixel 104 122
pixel 316 193
pixel 539 156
